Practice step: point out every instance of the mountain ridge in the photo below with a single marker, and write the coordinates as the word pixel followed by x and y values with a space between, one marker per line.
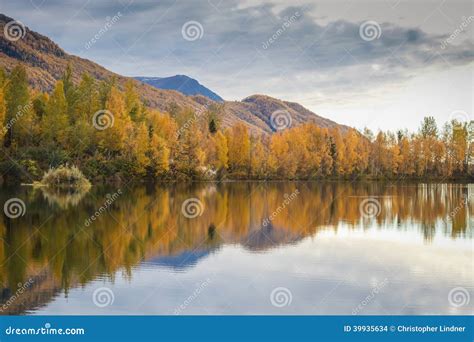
pixel 46 62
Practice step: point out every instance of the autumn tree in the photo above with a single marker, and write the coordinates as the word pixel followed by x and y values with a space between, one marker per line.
pixel 116 126
pixel 258 165
pixel 222 151
pixel 55 121
pixel 3 110
pixel 238 139
pixel 108 131
pixel 16 100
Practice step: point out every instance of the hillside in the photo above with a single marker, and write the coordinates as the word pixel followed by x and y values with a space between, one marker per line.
pixel 183 84
pixel 46 61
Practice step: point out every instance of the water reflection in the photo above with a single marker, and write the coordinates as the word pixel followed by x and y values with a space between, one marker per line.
pixel 63 197
pixel 143 233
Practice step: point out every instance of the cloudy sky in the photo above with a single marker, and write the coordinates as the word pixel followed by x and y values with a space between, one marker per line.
pixel 383 64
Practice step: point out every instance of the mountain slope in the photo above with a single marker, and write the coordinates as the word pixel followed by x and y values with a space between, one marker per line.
pixel 181 83
pixel 45 62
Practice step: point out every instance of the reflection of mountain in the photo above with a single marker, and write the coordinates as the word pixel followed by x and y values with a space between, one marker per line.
pixel 181 261
pixel 270 237
pixel 146 224
pixel 43 289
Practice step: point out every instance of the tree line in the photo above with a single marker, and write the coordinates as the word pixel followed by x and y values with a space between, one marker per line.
pixel 109 132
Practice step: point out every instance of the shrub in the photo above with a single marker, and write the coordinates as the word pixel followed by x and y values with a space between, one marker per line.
pixel 65 176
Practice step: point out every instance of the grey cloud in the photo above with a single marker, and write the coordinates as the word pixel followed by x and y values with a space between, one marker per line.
pixel 147 40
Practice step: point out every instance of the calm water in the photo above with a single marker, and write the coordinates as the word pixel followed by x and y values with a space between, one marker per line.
pixel 253 248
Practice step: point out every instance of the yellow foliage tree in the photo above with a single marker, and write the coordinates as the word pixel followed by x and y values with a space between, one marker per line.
pixel 55 120
pixel 117 121
pixel 222 151
pixel 238 139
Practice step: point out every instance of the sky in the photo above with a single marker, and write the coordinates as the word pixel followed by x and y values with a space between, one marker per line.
pixel 380 64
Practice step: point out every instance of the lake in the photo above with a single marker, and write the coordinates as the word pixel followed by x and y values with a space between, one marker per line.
pixel 239 248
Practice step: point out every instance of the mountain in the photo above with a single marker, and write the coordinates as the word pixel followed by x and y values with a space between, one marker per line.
pixel 45 62
pixel 181 83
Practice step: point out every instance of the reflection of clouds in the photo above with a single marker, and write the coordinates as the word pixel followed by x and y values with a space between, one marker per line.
pixel 328 256
pixel 328 274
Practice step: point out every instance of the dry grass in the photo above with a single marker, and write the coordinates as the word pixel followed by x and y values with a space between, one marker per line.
pixel 65 177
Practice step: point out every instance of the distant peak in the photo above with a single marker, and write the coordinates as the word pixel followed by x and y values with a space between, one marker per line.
pixel 182 83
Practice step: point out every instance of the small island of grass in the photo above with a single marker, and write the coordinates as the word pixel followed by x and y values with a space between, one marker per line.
pixel 68 177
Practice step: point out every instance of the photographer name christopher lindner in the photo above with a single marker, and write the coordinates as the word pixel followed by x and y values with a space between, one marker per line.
pixel 426 329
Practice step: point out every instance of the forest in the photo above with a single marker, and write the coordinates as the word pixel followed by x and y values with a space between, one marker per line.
pixel 111 135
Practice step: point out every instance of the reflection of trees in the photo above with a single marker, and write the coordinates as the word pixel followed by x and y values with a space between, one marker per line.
pixel 147 222
pixel 64 197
